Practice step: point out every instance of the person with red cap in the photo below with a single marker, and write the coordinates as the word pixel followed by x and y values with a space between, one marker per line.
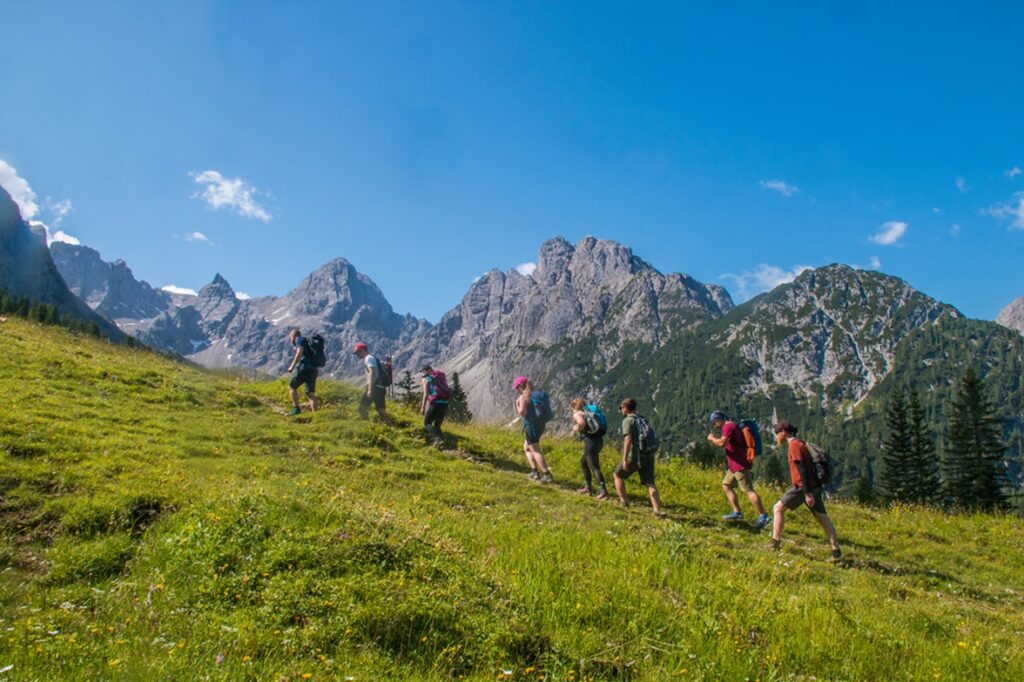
pixel 534 408
pixel 375 391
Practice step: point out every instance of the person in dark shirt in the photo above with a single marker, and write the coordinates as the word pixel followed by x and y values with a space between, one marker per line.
pixel 806 488
pixel 633 460
pixel 739 463
pixel 303 371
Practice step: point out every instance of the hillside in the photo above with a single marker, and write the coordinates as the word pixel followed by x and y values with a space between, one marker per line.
pixel 162 522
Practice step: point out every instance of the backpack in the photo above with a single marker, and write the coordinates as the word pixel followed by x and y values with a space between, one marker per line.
pixel 750 431
pixel 384 376
pixel 647 439
pixel 542 407
pixel 597 423
pixel 315 343
pixel 823 464
pixel 439 382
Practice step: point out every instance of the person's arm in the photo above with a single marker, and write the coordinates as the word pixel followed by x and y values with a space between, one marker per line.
pixel 371 378
pixel 578 422
pixel 423 400
pixel 522 404
pixel 716 441
pixel 296 357
pixel 627 446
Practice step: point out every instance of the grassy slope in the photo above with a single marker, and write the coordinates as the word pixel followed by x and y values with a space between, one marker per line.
pixel 156 520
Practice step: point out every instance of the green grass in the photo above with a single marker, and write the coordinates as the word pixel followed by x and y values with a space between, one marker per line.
pixel 159 522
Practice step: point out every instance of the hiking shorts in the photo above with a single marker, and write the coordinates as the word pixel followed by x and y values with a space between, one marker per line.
pixel 794 497
pixel 376 398
pixel 645 466
pixel 532 431
pixel 744 478
pixel 304 374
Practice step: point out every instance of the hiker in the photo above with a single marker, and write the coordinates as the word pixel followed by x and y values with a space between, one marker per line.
pixel 376 386
pixel 434 404
pixel 806 488
pixel 636 456
pixel 305 372
pixel 535 409
pixel 591 429
pixel 739 458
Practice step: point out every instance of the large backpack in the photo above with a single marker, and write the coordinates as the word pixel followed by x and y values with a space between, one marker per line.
pixel 823 464
pixel 384 375
pixel 318 357
pixel 752 434
pixel 439 382
pixel 542 407
pixel 597 423
pixel 647 439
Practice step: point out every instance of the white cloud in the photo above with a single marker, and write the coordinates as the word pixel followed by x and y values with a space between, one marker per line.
pixel 526 269
pixel 19 189
pixel 954 230
pixel 59 209
pixel 242 296
pixel 1014 172
pixel 173 289
pixel 762 278
pixel 780 186
pixel 233 194
pixel 875 263
pixel 1012 210
pixel 961 184
pixel 62 236
pixel 197 237
pixel 890 233
pixel 936 210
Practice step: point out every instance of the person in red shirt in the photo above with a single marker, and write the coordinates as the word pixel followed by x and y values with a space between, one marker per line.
pixel 739 468
pixel 806 488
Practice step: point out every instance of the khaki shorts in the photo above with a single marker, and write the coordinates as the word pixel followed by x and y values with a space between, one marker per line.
pixel 744 478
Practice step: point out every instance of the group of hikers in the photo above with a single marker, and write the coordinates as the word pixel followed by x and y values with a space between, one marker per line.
pixel 740 440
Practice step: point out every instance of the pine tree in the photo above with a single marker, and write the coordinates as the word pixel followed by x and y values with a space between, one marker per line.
pixel 458 406
pixel 407 394
pixel 896 450
pixel 975 474
pixel 864 489
pixel 922 465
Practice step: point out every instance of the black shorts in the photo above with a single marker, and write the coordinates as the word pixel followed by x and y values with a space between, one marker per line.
pixel 304 374
pixel 794 497
pixel 532 431
pixel 377 399
pixel 645 467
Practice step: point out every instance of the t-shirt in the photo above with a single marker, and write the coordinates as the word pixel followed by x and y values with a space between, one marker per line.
pixel 372 363
pixel 629 428
pixel 735 447
pixel 798 453
pixel 306 361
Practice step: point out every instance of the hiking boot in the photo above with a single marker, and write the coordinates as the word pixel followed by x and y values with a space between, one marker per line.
pixel 733 516
pixel 294 412
pixel 762 521
pixel 585 491
pixel 533 475
pixel 773 545
pixel 837 555
pixel 546 477
pixel 603 495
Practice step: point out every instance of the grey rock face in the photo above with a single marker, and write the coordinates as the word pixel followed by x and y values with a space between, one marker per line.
pixel 108 288
pixel 595 297
pixel 831 334
pixel 1012 315
pixel 27 270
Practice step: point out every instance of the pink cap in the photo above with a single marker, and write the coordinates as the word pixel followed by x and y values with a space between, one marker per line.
pixel 519 382
pixel 359 346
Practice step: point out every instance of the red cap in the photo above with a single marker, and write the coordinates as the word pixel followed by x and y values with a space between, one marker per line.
pixel 360 346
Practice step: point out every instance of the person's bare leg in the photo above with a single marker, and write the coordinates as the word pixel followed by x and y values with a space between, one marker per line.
pixel 652 492
pixel 730 495
pixel 314 404
pixel 294 394
pixel 780 519
pixel 620 489
pixel 830 530
pixel 538 457
pixel 755 500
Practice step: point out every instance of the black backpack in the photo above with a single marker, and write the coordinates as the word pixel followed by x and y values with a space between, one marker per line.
pixel 317 355
pixel 647 439
pixel 822 461
pixel 384 376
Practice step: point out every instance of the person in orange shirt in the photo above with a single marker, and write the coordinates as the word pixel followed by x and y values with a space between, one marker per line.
pixel 806 489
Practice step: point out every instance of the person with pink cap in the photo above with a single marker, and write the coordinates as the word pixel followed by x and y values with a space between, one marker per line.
pixel 375 390
pixel 535 409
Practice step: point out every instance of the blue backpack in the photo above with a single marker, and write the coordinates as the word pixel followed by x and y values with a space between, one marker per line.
pixel 751 434
pixel 542 407
pixel 597 423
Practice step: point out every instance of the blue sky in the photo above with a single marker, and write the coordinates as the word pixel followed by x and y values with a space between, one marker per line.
pixel 430 142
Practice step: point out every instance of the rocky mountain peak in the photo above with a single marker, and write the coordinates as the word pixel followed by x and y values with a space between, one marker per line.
pixel 1012 315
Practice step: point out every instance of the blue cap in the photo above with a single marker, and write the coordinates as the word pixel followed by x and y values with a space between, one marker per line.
pixel 716 415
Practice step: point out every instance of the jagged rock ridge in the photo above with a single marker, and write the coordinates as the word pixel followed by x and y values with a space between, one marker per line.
pixel 1012 315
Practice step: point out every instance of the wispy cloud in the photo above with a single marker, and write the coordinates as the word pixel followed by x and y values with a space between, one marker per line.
pixel 889 233
pixel 1014 172
pixel 242 296
pixel 174 289
pixel 58 209
pixel 780 186
pixel 764 277
pixel 19 189
pixel 954 230
pixel 961 184
pixel 197 237
pixel 936 210
pixel 526 269
pixel 1013 210
pixel 62 236
pixel 233 194
pixel 876 263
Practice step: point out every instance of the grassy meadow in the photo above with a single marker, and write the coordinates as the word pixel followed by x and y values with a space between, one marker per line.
pixel 160 522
